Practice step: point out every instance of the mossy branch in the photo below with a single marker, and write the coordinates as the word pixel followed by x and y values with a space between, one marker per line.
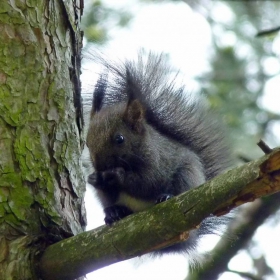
pixel 162 225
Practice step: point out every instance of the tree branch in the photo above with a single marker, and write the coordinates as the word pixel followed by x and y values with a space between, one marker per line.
pixel 242 230
pixel 268 32
pixel 246 275
pixel 162 225
pixel 265 148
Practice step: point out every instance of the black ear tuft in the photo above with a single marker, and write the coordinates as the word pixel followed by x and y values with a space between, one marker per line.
pixel 99 94
pixel 133 84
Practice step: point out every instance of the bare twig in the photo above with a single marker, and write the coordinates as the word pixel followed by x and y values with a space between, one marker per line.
pixel 268 32
pixel 265 148
pixel 245 274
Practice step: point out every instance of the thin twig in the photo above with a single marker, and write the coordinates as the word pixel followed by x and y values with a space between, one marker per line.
pixel 265 148
pixel 268 32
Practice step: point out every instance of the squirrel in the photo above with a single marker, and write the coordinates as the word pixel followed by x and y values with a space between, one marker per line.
pixel 149 141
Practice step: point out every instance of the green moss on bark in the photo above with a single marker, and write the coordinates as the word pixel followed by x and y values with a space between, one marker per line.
pixel 39 175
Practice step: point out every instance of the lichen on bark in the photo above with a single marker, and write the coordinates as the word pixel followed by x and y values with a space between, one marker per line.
pixel 41 183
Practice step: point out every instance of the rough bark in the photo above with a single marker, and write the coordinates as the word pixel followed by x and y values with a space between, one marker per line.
pixel 41 184
pixel 164 224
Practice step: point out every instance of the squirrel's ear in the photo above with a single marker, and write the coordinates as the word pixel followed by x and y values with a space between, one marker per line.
pixel 134 115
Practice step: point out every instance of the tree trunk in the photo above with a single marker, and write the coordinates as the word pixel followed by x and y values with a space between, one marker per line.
pixel 41 183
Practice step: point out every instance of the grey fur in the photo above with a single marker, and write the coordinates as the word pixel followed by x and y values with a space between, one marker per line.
pixel 171 143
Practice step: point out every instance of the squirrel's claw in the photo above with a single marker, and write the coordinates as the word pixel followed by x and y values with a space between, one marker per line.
pixel 115 213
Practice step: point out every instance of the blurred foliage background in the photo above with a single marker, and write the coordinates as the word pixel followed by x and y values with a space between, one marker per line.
pixel 243 64
pixel 236 81
pixel 99 18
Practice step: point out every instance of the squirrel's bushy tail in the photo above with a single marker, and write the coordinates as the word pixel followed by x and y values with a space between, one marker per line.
pixel 168 107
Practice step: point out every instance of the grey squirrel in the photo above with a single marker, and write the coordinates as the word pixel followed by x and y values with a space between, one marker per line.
pixel 148 142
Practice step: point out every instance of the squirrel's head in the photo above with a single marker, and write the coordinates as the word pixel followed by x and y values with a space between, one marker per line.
pixel 116 136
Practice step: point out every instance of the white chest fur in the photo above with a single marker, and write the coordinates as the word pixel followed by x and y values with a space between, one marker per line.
pixel 134 204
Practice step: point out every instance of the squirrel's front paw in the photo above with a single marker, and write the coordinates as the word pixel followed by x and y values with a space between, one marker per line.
pixel 115 213
pixel 114 176
pixel 95 179
pixel 107 179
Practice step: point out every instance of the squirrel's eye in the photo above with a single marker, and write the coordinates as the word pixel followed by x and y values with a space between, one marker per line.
pixel 119 139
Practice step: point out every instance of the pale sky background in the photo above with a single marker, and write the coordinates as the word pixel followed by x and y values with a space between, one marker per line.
pixel 185 35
